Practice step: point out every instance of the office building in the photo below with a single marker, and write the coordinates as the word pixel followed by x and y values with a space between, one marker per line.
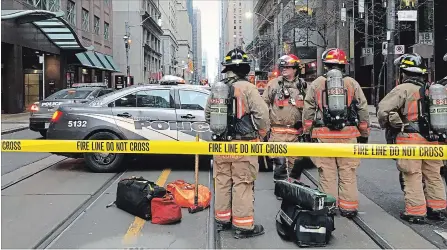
pixel 185 54
pixel 145 57
pixel 169 38
pixel 197 46
pixel 43 52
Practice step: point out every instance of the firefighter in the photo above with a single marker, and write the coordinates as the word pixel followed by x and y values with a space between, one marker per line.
pixel 336 111
pixel 285 98
pixel 409 101
pixel 236 112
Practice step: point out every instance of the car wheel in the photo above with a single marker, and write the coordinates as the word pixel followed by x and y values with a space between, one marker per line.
pixel 43 133
pixel 103 162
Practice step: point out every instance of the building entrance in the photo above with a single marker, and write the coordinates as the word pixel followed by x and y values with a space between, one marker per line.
pixel 33 81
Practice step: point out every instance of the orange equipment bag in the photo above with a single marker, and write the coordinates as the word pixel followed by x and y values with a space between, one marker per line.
pixel 184 194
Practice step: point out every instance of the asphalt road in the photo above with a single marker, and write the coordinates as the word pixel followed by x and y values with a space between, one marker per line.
pixel 54 200
pixel 12 161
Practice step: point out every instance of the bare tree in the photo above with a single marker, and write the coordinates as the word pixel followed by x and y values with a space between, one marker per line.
pixel 314 22
pixel 311 22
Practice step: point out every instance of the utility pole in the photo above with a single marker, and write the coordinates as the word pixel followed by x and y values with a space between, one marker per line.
pixel 391 26
pixel 127 42
pixel 281 42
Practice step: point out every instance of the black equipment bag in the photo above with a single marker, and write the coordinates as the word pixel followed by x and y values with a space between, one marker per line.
pixel 299 194
pixel 134 196
pixel 306 228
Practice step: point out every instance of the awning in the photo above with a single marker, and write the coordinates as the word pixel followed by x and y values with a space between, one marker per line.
pixel 52 25
pixel 97 60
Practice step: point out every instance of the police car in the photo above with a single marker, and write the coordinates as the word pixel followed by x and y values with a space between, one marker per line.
pixel 41 112
pixel 166 111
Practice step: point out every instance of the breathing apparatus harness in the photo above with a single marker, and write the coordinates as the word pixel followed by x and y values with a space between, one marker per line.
pixel 423 124
pixel 349 117
pixel 239 129
pixel 284 92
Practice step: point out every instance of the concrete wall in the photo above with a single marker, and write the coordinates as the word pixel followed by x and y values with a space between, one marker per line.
pixel 121 15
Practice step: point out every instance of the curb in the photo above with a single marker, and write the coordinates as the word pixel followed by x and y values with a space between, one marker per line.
pixel 14 130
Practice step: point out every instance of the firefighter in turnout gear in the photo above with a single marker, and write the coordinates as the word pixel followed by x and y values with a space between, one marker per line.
pixel 412 102
pixel 247 120
pixel 336 111
pixel 285 98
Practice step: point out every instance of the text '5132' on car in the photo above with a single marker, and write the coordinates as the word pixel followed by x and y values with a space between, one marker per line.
pixel 42 111
pixel 141 112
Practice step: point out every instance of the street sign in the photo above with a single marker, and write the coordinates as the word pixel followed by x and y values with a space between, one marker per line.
pixel 367 51
pixel 426 38
pixel 407 15
pixel 384 48
pixel 399 49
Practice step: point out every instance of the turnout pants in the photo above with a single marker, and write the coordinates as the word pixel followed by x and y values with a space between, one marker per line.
pixel 345 188
pixel 234 194
pixel 417 199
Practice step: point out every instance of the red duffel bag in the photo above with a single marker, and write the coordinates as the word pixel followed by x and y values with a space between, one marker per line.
pixel 165 211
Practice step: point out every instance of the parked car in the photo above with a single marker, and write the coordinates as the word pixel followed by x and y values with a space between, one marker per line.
pixel 42 111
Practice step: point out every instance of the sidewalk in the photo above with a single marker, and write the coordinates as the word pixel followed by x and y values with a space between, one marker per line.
pixel 14 122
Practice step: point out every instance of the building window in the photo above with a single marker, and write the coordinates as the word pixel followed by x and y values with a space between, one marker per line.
pixel 240 4
pixel 96 25
pixel 235 27
pixel 51 5
pixel 240 27
pixel 71 12
pixel 106 31
pixel 234 21
pixel 240 20
pixel 85 20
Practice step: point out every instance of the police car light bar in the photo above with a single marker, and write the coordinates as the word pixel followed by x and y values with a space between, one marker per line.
pixel 96 84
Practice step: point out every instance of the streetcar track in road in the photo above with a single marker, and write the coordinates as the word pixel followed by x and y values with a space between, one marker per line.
pixel 57 231
pixel 372 234
pixel 22 178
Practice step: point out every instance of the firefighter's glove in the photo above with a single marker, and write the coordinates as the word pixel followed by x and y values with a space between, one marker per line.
pixel 307 138
pixel 363 140
pixel 395 120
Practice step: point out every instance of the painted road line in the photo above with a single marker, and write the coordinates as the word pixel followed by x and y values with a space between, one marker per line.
pixel 137 225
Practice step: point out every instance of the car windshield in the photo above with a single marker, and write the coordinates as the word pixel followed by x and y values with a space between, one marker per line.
pixel 71 94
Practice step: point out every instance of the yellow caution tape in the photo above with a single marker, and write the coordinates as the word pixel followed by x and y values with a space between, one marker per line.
pixel 382 151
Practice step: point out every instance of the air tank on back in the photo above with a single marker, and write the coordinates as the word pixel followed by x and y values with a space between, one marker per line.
pixel 335 92
pixel 438 107
pixel 219 109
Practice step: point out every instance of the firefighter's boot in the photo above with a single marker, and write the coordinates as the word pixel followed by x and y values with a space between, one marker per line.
pixel 223 226
pixel 297 170
pixel 280 171
pixel 435 214
pixel 414 219
pixel 348 214
pixel 240 233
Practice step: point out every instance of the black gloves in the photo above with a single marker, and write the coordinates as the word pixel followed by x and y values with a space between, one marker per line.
pixel 307 138
pixel 362 139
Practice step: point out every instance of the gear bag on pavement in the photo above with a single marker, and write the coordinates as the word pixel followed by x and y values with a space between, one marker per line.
pixel 183 193
pixel 165 210
pixel 305 216
pixel 134 195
